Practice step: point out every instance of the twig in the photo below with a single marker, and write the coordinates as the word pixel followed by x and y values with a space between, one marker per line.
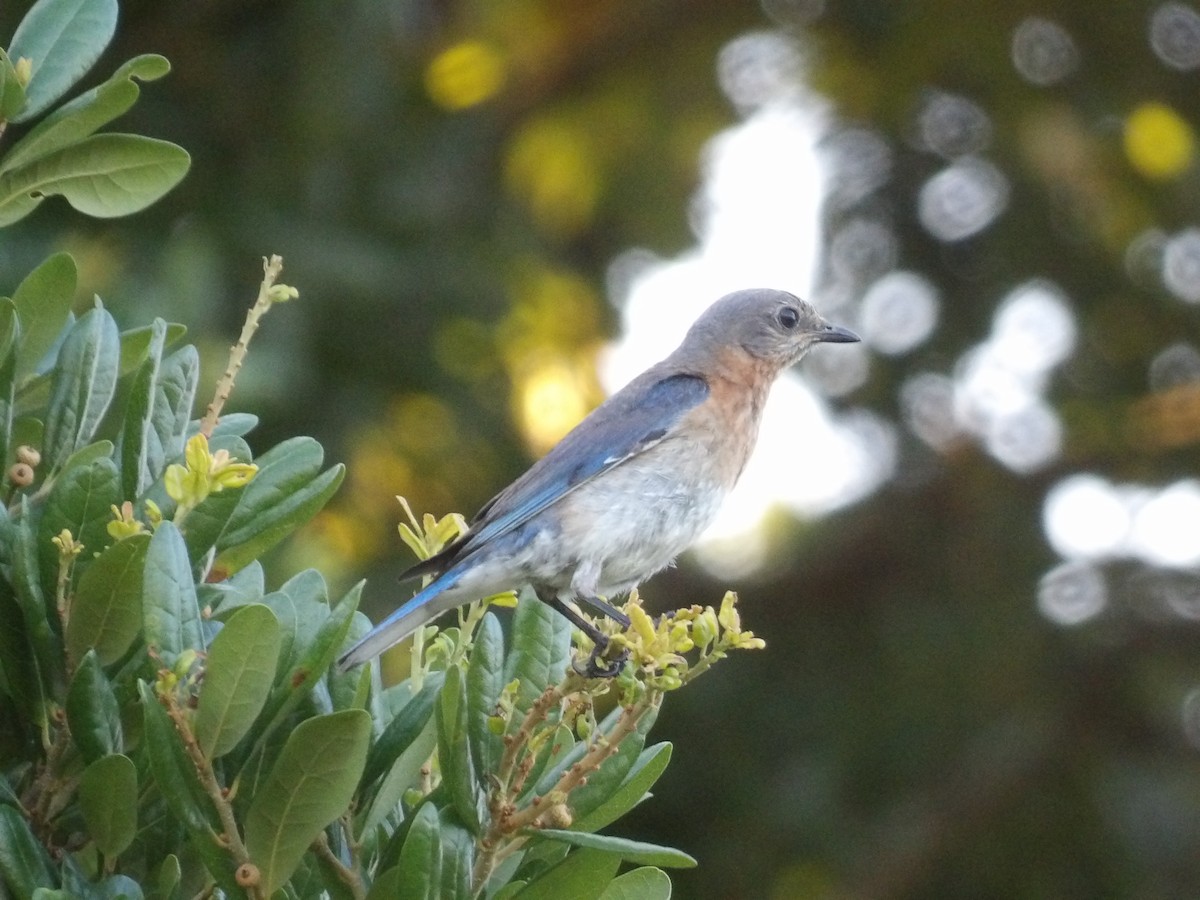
pixel 237 353
pixel 208 779
pixel 348 877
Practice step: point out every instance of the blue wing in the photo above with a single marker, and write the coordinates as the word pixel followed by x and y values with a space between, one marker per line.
pixel 630 422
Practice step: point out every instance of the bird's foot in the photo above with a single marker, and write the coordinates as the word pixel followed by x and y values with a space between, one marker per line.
pixel 597 666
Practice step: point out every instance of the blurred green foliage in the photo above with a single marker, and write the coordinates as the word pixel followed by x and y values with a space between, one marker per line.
pixel 450 182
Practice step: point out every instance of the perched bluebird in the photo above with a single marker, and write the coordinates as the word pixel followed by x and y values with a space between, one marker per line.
pixel 633 485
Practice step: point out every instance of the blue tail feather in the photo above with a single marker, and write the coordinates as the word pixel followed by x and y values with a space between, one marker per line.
pixel 422 608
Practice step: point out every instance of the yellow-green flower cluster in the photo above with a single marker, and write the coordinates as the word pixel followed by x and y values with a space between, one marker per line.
pixel 203 473
pixel 661 648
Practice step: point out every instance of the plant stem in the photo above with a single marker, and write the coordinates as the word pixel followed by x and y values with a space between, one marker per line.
pixel 348 877
pixel 208 778
pixel 237 353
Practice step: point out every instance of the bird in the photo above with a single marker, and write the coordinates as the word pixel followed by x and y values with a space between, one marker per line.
pixel 631 486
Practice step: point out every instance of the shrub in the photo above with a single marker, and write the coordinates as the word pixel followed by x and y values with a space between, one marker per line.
pixel 169 727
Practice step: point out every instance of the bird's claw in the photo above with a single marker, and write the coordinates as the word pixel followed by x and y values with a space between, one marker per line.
pixel 597 666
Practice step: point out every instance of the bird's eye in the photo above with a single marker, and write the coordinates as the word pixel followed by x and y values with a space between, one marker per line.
pixel 788 317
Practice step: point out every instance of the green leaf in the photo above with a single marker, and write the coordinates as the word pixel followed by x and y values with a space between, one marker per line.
pixel 81 502
pixel 74 121
pixel 404 774
pixel 17 663
pixel 170 614
pixel 485 682
pixel 10 345
pixel 583 875
pixel 105 175
pixel 170 874
pixel 310 785
pixel 106 612
pixel 630 851
pixel 173 771
pixel 44 639
pixel 644 883
pixel 12 92
pixel 402 730
pixel 541 645
pixel 108 800
pixel 135 344
pixel 646 771
pixel 43 302
pixel 237 679
pixel 92 711
pixel 24 865
pixel 63 39
pixel 454 750
pixel 458 858
pixel 313 659
pixel 286 492
pixel 241 589
pixel 386 886
pixel 156 417
pixel 84 380
pixel 420 864
pixel 602 783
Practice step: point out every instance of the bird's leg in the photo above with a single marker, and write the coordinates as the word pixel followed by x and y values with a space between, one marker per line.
pixel 593 668
pixel 608 609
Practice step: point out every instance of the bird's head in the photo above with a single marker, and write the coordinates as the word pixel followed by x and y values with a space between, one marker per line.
pixel 772 327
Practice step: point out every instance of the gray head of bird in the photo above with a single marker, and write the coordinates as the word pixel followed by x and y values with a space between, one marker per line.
pixel 770 326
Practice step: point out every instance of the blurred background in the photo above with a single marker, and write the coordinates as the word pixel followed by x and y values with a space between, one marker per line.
pixel 971 542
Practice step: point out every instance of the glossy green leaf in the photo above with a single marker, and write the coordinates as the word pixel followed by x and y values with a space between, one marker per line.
pixel 105 175
pixel 17 663
pixel 43 301
pixel 10 334
pixel 646 771
pixel 350 690
pixel 135 344
pixel 644 883
pixel 485 682
pixel 108 799
pixel 12 92
pixel 630 851
pixel 312 659
pixel 92 711
pixel 173 771
pixel 170 874
pixel 170 614
pixel 420 864
pixel 106 612
pixel 241 589
pixel 158 411
pixel 454 750
pixel 405 773
pixel 541 646
pixel 288 490
pixel 82 386
pixel 35 610
pixel 81 117
pixel 80 501
pixel 458 858
pixel 583 875
pixel 386 886
pixel 63 39
pixel 24 864
pixel 403 729
pixel 310 785
pixel 602 783
pixel 237 679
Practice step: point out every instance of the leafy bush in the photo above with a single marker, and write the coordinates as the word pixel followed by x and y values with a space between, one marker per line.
pixel 168 726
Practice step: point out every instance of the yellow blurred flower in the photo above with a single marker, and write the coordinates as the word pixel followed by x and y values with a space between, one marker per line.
pixel 1158 142
pixel 465 74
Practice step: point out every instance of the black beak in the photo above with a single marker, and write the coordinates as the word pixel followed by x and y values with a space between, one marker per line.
pixel 836 334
